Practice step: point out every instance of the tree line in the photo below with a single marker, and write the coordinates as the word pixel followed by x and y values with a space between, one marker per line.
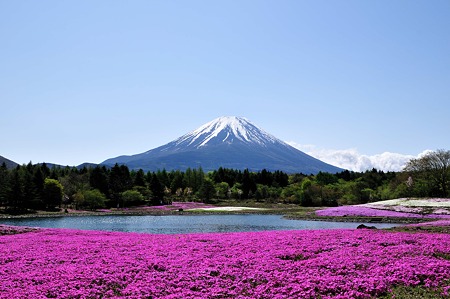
pixel 38 187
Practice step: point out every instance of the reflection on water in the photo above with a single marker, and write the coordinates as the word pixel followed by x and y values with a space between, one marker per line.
pixel 182 224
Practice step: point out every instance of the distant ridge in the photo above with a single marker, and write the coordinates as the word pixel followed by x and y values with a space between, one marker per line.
pixel 87 165
pixel 81 166
pixel 229 142
pixel 9 164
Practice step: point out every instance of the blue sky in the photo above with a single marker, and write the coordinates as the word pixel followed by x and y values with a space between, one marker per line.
pixel 83 81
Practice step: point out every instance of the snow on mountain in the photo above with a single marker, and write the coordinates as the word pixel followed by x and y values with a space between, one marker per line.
pixel 227 129
pixel 229 142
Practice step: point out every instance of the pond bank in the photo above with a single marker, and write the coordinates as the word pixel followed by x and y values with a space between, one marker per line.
pixel 288 215
pixel 361 219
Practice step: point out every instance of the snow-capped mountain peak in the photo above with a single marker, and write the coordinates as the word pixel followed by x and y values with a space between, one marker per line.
pixel 227 129
pixel 228 142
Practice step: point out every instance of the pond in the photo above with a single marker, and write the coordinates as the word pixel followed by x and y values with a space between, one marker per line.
pixel 182 224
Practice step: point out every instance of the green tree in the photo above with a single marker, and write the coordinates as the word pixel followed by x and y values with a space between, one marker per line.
pixel 248 184
pixel 199 176
pixel 45 170
pixel 325 178
pixel 98 179
pixel 163 177
pixel 38 180
pixel 16 191
pixel 264 177
pixel 280 178
pixel 4 184
pixel 157 189
pixel 78 200
pixel 74 182
pixel 177 181
pixel 306 198
pixel 30 191
pixel 145 192
pixel 139 178
pixel 292 192
pixel 132 198
pixel 236 191
pixel 188 178
pixel 193 178
pixel 224 175
pixel 53 193
pixel 434 166
pixel 93 199
pixel 349 191
pixel 119 181
pixel 222 189
pixel 207 190
pixel 330 195
pixel 262 192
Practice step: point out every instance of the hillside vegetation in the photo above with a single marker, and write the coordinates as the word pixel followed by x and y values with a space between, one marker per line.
pixel 37 187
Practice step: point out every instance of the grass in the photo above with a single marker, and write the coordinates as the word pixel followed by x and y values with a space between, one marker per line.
pixel 422 229
pixel 416 292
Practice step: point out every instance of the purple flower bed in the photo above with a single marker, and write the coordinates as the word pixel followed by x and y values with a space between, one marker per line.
pixel 50 263
pixel 369 212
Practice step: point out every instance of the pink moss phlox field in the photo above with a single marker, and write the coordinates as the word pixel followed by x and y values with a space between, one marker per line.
pixel 51 263
pixel 371 212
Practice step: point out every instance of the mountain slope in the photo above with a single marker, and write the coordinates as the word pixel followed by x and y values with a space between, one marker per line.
pixel 229 142
pixel 9 163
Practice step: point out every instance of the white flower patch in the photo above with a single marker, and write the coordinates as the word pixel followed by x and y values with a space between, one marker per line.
pixel 391 202
pixel 406 202
pixel 398 208
pixel 441 212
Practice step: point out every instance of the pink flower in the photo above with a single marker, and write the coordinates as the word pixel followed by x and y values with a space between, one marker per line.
pixel 280 264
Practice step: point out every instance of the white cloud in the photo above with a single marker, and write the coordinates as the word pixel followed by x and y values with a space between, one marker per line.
pixel 351 159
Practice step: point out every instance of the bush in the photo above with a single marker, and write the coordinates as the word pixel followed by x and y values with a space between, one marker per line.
pixel 94 199
pixel 132 198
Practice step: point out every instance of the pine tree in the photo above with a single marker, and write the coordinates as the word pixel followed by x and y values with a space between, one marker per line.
pixel 98 179
pixel 29 187
pixel 38 180
pixel 177 180
pixel 157 190
pixel 139 179
pixel 4 184
pixel 248 184
pixel 207 191
pixel 16 194
pixel 119 181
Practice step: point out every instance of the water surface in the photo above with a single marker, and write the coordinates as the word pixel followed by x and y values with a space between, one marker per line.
pixel 181 224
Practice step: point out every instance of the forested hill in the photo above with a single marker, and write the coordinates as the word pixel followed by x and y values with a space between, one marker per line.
pixel 35 187
pixel 9 164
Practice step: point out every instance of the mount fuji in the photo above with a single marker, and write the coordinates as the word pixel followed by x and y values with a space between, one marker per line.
pixel 228 142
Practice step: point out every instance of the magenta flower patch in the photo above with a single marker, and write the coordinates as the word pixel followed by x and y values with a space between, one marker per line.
pixel 51 263
pixel 359 210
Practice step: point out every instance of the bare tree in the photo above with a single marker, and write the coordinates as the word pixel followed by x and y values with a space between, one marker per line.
pixel 435 165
